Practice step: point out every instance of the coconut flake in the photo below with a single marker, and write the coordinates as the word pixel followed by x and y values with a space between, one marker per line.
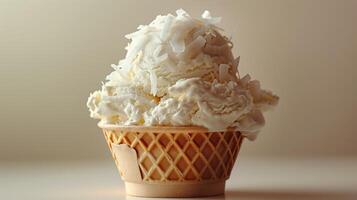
pixel 216 50
pixel 162 58
pixel 244 81
pixel 180 31
pixel 114 66
pixel 223 72
pixel 157 51
pixel 207 18
pixel 198 32
pixel 134 48
pixel 178 46
pixel 236 65
pixel 153 80
pixel 181 14
pixel 206 14
pixel 236 62
pixel 194 48
pixel 166 27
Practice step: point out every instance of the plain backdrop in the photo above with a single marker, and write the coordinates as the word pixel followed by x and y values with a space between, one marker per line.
pixel 53 53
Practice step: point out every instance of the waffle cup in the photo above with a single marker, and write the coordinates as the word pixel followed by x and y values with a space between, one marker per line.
pixel 173 161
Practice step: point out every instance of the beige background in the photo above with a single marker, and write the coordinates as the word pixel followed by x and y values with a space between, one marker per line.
pixel 54 53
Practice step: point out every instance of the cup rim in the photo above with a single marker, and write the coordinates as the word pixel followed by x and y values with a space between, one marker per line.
pixel 160 128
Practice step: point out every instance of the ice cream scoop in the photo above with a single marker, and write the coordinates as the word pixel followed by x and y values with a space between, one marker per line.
pixel 180 71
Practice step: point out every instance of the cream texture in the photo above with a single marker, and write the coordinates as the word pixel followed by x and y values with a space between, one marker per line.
pixel 180 71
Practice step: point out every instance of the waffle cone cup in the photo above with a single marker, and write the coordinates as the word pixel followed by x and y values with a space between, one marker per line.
pixel 173 161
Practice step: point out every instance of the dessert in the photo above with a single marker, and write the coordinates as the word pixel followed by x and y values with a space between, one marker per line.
pixel 176 109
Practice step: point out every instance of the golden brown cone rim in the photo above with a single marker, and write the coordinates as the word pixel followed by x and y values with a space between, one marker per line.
pixel 160 128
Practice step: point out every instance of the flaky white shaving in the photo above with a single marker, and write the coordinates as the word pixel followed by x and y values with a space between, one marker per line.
pixel 175 47
pixel 180 71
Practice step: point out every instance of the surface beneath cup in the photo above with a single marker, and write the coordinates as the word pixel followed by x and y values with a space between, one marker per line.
pixel 252 179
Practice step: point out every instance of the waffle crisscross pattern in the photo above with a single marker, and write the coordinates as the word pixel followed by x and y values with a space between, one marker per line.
pixel 180 155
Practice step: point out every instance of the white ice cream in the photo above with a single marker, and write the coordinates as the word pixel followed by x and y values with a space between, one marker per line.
pixel 180 71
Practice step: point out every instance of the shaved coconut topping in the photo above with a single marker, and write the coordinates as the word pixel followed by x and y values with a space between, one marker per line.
pixel 180 71
pixel 157 51
pixel 153 80
pixel 223 72
pixel 180 31
pixel 167 25
pixel 195 47
pixel 134 48
pixel 182 14
pixel 206 16
pixel 175 47
pixel 235 66
pixel 178 44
